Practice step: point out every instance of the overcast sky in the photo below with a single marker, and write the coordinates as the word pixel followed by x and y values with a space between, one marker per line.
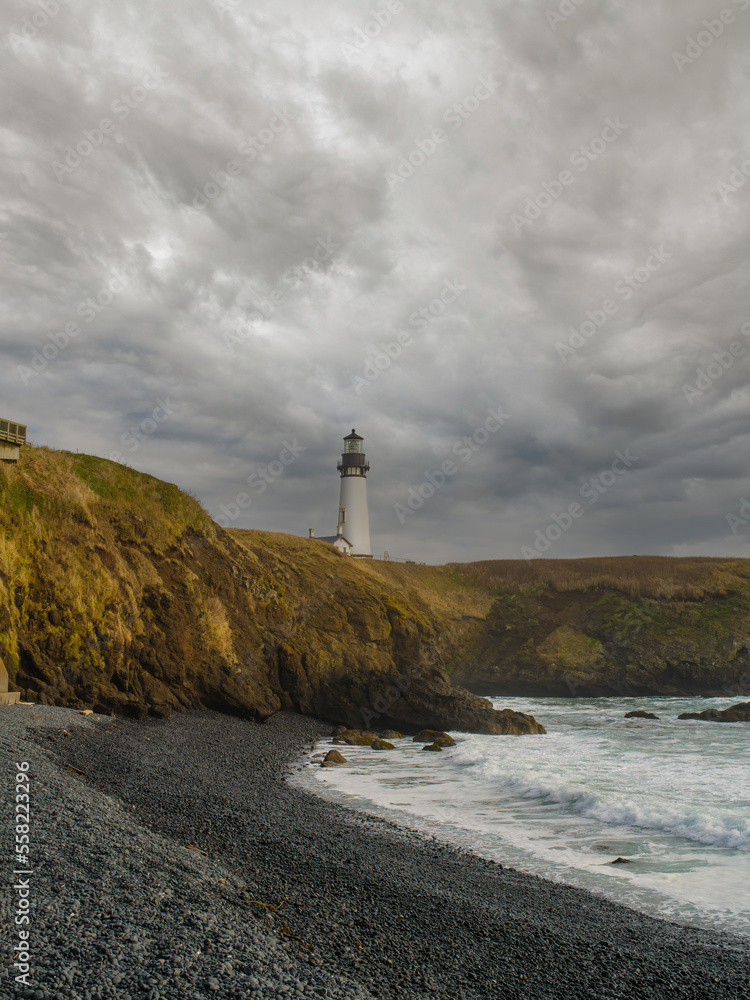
pixel 232 230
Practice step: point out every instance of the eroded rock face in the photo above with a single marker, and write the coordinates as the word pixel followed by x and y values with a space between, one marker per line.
pixel 735 713
pixel 182 615
pixel 600 642
pixel 430 696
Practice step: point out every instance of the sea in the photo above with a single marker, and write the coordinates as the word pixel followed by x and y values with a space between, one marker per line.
pixel 672 797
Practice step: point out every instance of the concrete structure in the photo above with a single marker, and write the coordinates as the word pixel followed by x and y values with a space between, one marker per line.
pixel 7 697
pixel 338 541
pixel 353 515
pixel 12 436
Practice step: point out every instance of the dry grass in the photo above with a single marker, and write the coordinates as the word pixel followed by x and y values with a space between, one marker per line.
pixel 659 577
pixel 469 589
pixel 435 588
pixel 79 540
pixel 216 628
pixel 439 588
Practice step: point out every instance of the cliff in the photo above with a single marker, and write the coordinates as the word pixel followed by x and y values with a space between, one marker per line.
pixel 118 592
pixel 612 626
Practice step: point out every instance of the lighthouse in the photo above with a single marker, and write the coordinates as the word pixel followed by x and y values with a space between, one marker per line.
pixel 353 520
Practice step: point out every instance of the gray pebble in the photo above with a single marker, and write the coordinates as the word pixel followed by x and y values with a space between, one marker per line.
pixel 116 878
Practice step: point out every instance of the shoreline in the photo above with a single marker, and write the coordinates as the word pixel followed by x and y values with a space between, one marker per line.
pixel 529 805
pixel 295 889
pixel 651 902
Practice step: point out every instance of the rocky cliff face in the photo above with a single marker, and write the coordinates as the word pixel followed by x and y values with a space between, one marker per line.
pixel 118 592
pixel 674 637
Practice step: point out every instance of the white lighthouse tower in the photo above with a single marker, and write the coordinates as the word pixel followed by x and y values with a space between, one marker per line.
pixel 354 520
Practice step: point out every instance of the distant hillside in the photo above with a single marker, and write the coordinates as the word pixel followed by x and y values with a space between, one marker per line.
pixel 118 592
pixel 610 626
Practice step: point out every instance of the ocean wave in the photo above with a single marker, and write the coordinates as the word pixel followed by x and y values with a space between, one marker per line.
pixel 649 811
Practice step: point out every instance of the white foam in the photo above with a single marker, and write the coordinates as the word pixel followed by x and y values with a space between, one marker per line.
pixel 672 795
pixel 644 808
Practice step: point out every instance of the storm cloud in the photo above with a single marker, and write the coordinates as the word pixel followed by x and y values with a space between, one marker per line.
pixel 232 230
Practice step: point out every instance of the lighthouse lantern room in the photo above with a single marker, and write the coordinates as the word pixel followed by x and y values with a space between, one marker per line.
pixel 354 520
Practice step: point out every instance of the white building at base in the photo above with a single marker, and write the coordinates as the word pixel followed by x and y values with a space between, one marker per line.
pixel 338 541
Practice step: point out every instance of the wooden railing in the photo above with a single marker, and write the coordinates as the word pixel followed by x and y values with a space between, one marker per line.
pixel 14 433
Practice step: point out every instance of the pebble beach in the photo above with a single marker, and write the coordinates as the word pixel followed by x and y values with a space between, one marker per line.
pixel 172 859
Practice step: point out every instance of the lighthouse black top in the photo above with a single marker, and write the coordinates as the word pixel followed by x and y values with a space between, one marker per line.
pixel 353 460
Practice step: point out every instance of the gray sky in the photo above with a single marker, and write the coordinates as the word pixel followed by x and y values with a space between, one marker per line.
pixel 231 228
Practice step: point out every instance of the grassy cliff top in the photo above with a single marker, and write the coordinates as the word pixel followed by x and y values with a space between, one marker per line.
pixel 441 590
pixel 660 577
pixel 49 487
pixel 49 482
